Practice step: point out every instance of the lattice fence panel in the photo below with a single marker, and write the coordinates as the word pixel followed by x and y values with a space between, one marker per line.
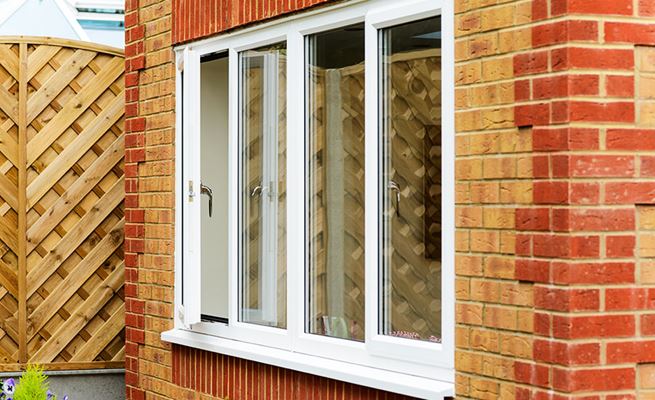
pixel 9 69
pixel 72 204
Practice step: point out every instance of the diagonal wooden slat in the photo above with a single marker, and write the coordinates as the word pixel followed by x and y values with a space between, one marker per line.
pixel 8 105
pixel 8 147
pixel 9 60
pixel 75 193
pixel 94 131
pixel 57 82
pixel 80 316
pixel 120 355
pixel 8 191
pixel 39 58
pixel 8 279
pixel 87 267
pixel 8 236
pixel 73 109
pixel 49 264
pixel 102 337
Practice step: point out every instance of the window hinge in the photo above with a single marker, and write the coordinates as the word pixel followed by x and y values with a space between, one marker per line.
pixel 192 194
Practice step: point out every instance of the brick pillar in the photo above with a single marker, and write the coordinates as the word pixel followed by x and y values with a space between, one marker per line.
pixel 578 139
pixel 135 125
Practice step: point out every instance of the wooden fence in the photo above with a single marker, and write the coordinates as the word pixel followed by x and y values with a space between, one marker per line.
pixel 61 204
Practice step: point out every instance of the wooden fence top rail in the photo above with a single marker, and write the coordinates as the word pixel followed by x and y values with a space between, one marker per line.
pixel 76 44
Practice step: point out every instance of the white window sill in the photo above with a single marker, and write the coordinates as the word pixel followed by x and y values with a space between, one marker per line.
pixel 357 374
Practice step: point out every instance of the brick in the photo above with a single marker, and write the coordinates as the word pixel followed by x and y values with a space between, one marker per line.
pixel 620 246
pixel 593 273
pixel 646 217
pixel 585 193
pixel 530 63
pixel 602 166
pixel 532 270
pixel 646 88
pixel 614 7
pixel 549 298
pixel 555 352
pixel 599 326
pixel 623 32
pixel 646 8
pixel 587 111
pixel 534 374
pixel 532 219
pixel 594 379
pixel 564 31
pixel 646 112
pixel 634 352
pixel 646 376
pixel 620 86
pixel 647 324
pixel 631 139
pixel 579 58
pixel 629 192
pixel 582 220
pixel 550 139
pixel 629 299
pixel 551 192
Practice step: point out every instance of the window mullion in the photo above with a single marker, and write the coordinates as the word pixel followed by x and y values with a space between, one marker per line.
pixel 372 174
pixel 296 180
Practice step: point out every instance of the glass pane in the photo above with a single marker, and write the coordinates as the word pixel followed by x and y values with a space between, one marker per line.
pixel 335 131
pixel 410 102
pixel 263 296
pixel 214 177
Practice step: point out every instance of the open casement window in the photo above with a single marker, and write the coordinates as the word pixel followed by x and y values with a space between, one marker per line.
pixel 315 177
pixel 188 186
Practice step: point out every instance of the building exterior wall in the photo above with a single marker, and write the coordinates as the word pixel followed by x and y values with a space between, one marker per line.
pixel 555 202
pixel 555 199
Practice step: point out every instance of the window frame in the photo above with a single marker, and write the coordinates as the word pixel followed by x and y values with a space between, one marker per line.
pixel 430 362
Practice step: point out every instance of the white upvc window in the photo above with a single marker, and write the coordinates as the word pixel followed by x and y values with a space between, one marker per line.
pixel 315 194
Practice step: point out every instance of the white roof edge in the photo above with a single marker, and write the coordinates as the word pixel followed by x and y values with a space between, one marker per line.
pixel 72 19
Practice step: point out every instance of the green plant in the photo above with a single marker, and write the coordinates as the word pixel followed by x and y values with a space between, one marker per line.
pixel 33 384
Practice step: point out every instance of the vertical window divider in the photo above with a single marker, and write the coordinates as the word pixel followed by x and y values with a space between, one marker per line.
pixel 234 203
pixel 295 179
pixel 371 206
pixel 268 272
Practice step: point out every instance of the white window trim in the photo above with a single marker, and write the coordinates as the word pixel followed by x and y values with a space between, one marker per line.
pixel 419 368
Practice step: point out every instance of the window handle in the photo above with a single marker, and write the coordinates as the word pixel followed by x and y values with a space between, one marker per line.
pixel 396 188
pixel 204 189
pixel 257 191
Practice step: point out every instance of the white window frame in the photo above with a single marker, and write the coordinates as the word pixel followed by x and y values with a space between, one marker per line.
pixel 412 367
pixel 268 266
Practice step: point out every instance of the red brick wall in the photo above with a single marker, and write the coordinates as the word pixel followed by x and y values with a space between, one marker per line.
pixel 200 18
pixel 219 376
pixel 583 107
